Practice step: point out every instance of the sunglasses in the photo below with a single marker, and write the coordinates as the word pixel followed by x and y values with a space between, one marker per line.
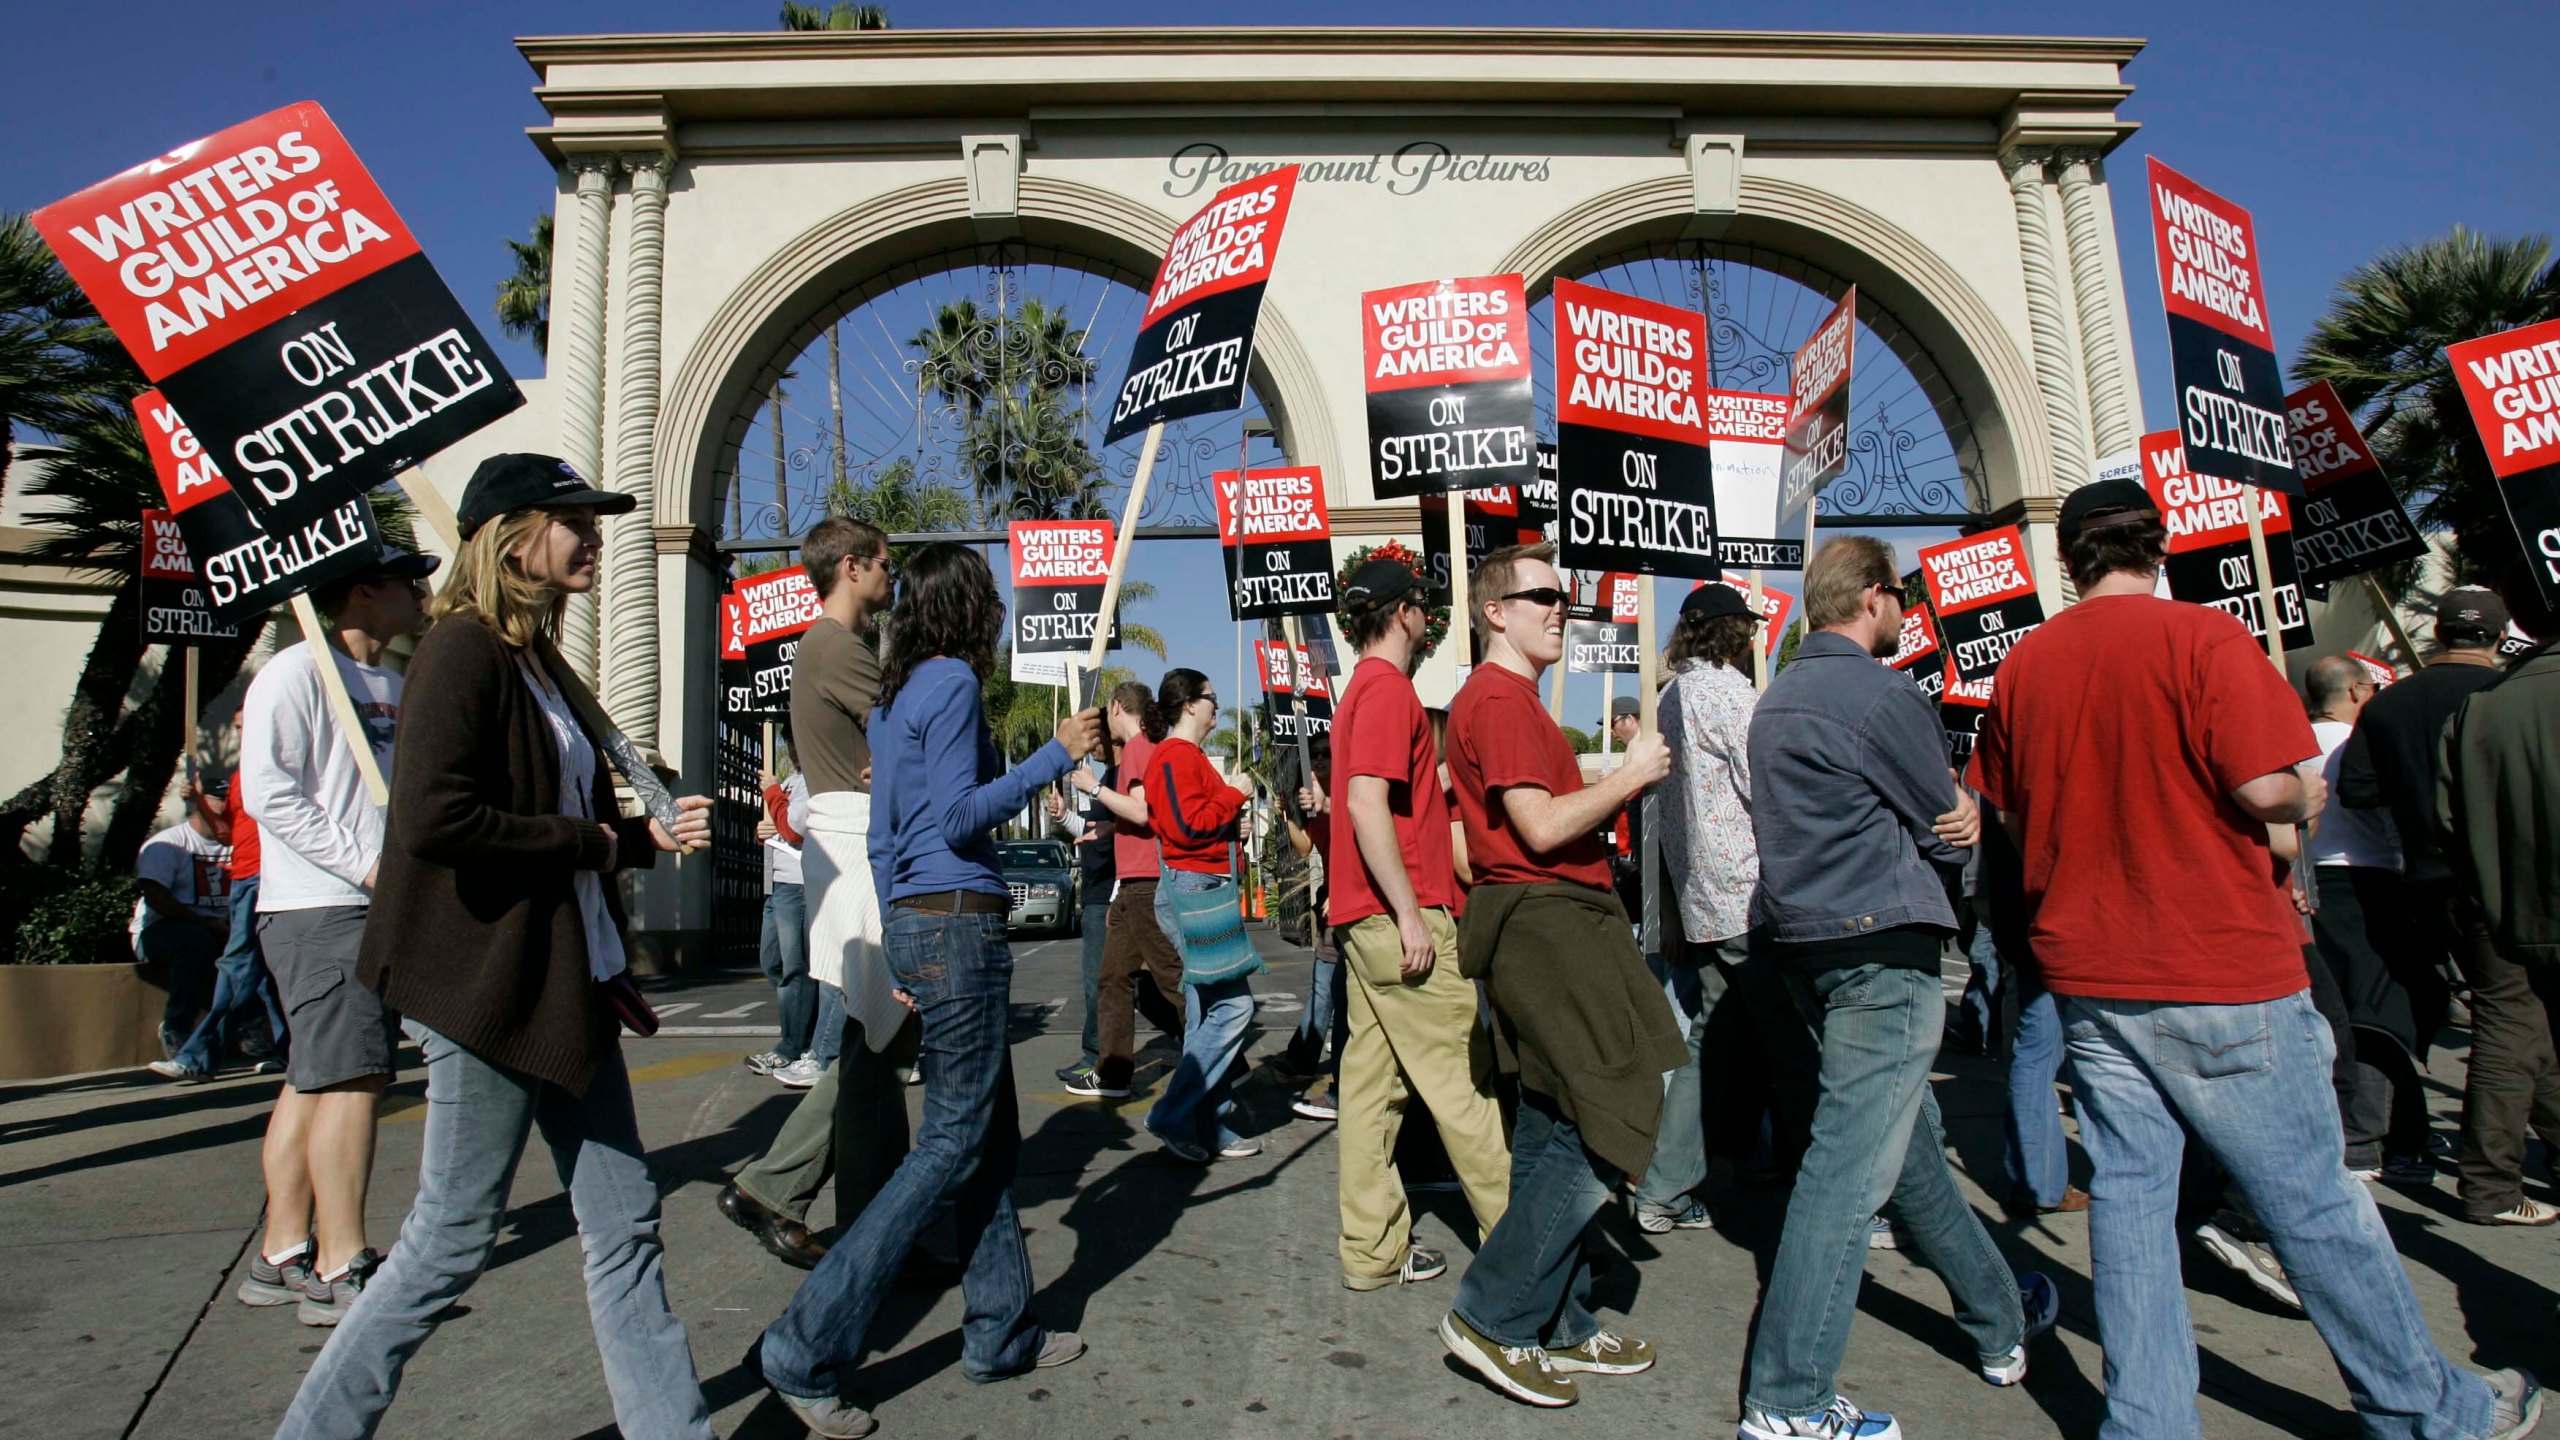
pixel 1544 597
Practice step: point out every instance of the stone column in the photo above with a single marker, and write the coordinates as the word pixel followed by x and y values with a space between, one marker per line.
pixel 2057 370
pixel 582 374
pixel 2084 225
pixel 630 564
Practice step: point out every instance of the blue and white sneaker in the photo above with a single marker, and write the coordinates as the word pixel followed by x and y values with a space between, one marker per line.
pixel 1882 1236
pixel 2043 1305
pixel 1841 1420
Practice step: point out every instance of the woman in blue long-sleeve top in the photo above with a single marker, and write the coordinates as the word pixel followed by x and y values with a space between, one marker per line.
pixel 938 786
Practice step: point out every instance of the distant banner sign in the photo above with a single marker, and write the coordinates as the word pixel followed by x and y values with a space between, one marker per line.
pixel 2511 381
pixel 737 677
pixel 1538 499
pixel 1775 606
pixel 2222 358
pixel 1747 438
pixel 1961 721
pixel 2379 672
pixel 1605 643
pixel 1447 367
pixel 2349 520
pixel 1817 435
pixel 1277 542
pixel 1299 700
pixel 1490 520
pixel 1984 598
pixel 774 609
pixel 246 571
pixel 262 279
pixel 176 610
pixel 1631 435
pixel 1059 568
pixel 1918 654
pixel 1196 339
pixel 2209 560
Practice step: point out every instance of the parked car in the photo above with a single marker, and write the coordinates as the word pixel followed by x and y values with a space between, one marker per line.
pixel 1042 882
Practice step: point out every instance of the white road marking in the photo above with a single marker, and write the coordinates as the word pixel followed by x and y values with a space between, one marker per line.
pixel 677 1008
pixel 738 1014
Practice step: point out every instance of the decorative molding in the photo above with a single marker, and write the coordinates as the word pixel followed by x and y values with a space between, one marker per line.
pixel 2057 369
pixel 691 541
pixel 629 648
pixel 2094 286
pixel 993 164
pixel 582 369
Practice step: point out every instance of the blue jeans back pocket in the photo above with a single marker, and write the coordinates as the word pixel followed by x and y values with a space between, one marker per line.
pixel 2214 1042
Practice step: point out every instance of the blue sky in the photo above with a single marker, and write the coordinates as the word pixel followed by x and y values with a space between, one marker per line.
pixel 2347 128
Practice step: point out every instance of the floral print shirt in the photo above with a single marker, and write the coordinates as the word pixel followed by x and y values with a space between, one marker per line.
pixel 1705 808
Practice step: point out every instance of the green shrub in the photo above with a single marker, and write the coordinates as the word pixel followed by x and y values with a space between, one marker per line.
pixel 24 885
pixel 82 925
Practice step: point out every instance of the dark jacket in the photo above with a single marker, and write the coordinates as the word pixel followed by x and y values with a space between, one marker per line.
pixel 2498 805
pixel 2390 760
pixel 475 930
pixel 1848 773
pixel 1580 1019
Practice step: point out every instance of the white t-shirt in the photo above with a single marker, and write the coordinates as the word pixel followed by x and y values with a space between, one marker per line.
pixel 577 780
pixel 2346 835
pixel 195 870
pixel 319 832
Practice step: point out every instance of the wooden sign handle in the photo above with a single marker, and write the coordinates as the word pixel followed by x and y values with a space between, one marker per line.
pixel 1120 551
pixel 430 504
pixel 1759 646
pixel 1648 663
pixel 1461 620
pixel 2266 585
pixel 342 707
pixel 193 704
pixel 2391 621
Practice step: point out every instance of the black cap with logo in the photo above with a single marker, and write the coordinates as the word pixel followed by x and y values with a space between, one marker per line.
pixel 525 481
pixel 2104 502
pixel 1381 582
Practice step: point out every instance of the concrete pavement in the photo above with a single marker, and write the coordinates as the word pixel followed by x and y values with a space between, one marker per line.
pixel 1211 1298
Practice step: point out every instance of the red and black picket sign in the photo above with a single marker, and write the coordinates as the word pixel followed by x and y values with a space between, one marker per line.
pixel 1447 368
pixel 262 280
pixel 1775 606
pixel 1984 597
pixel 1919 655
pixel 2511 381
pixel 176 609
pixel 1276 539
pixel 1538 499
pixel 1491 519
pixel 1600 633
pixel 1747 433
pixel 773 610
pixel 2222 358
pixel 737 677
pixel 1633 481
pixel 1295 696
pixel 1196 340
pixel 1059 567
pixel 2349 520
pixel 2209 559
pixel 246 571
pixel 1817 436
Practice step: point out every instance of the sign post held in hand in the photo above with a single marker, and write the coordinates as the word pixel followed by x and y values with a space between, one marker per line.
pixel 1634 486
pixel 1817 433
pixel 2220 553
pixel 2511 381
pixel 1985 599
pixel 1276 539
pixel 1061 585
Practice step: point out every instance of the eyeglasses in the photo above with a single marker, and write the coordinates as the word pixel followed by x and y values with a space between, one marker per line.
pixel 1544 597
pixel 1204 699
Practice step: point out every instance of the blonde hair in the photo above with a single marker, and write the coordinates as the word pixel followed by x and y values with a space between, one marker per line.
pixel 1495 577
pixel 1835 584
pixel 488 583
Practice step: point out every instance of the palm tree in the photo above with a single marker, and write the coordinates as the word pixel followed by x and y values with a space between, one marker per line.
pixel 524 298
pixel 896 503
pixel 843 17
pixel 2382 345
pixel 57 359
pixel 1018 378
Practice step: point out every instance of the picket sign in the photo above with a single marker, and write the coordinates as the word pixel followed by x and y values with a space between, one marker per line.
pixel 2266 587
pixel 1649 663
pixel 1461 622
pixel 192 706
pixel 1289 634
pixel 342 708
pixel 1129 514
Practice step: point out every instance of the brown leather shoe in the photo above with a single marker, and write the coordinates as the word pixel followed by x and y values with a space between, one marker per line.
pixel 2074 1200
pixel 784 1238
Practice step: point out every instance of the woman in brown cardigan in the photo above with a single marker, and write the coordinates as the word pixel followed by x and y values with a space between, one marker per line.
pixel 496 931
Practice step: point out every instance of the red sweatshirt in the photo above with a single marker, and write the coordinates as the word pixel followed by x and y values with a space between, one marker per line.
pixel 1192 811
pixel 777 805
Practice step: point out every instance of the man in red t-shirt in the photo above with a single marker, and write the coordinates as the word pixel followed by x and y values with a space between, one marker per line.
pixel 1391 889
pixel 2138 748
pixel 1580 1018
pixel 1134 945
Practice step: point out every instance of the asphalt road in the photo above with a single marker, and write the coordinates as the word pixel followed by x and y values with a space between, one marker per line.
pixel 1211 1297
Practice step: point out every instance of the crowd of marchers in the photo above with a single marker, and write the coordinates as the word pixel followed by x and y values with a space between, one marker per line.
pixel 2234 929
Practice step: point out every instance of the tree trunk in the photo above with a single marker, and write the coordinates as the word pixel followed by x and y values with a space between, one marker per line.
pixel 835 396
pixel 89 726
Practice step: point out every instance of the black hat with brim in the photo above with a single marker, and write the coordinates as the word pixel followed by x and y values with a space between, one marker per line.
pixel 1714 600
pixel 2109 502
pixel 1380 582
pixel 524 481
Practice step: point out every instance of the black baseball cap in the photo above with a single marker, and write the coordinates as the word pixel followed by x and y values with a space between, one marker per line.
pixel 2471 613
pixel 1624 708
pixel 399 564
pixel 1715 600
pixel 1381 582
pixel 524 481
pixel 2109 501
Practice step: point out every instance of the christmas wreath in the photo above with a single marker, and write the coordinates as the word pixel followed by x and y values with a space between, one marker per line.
pixel 1435 618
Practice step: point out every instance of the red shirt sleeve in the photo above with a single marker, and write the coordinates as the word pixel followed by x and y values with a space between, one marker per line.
pixel 1510 751
pixel 1201 803
pixel 777 805
pixel 1381 729
pixel 2248 719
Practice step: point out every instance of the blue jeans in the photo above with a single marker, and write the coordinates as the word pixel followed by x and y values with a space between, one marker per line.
pixel 477 1119
pixel 1984 984
pixel 1680 1144
pixel 2038 1160
pixel 1198 1098
pixel 960 971
pixel 1876 1140
pixel 1097 928
pixel 241 986
pixel 1530 1283
pixel 2252 1083
pixel 188 952
pixel 782 952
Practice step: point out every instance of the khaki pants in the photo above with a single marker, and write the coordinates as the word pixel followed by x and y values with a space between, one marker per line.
pixel 1418 1037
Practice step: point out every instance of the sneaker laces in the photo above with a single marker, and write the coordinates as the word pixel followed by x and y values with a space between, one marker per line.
pixel 1522 1354
pixel 1843 1417
pixel 1600 1341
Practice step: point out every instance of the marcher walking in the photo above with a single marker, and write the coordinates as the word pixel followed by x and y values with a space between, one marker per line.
pixel 1140 967
pixel 1193 814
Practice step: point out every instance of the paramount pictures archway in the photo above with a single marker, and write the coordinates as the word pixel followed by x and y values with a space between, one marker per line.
pixel 726 199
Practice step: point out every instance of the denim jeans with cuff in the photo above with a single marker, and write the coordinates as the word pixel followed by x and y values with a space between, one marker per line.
pixel 782 952
pixel 1680 1144
pixel 1199 1097
pixel 242 991
pixel 1530 1283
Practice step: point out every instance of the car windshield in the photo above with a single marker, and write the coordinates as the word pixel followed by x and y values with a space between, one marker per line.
pixel 1032 855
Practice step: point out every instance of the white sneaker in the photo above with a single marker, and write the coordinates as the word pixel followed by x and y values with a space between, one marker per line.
pixel 1841 1420
pixel 764 1062
pixel 800 1074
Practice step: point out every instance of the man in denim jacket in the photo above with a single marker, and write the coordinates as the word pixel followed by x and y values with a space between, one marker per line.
pixel 1857 817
